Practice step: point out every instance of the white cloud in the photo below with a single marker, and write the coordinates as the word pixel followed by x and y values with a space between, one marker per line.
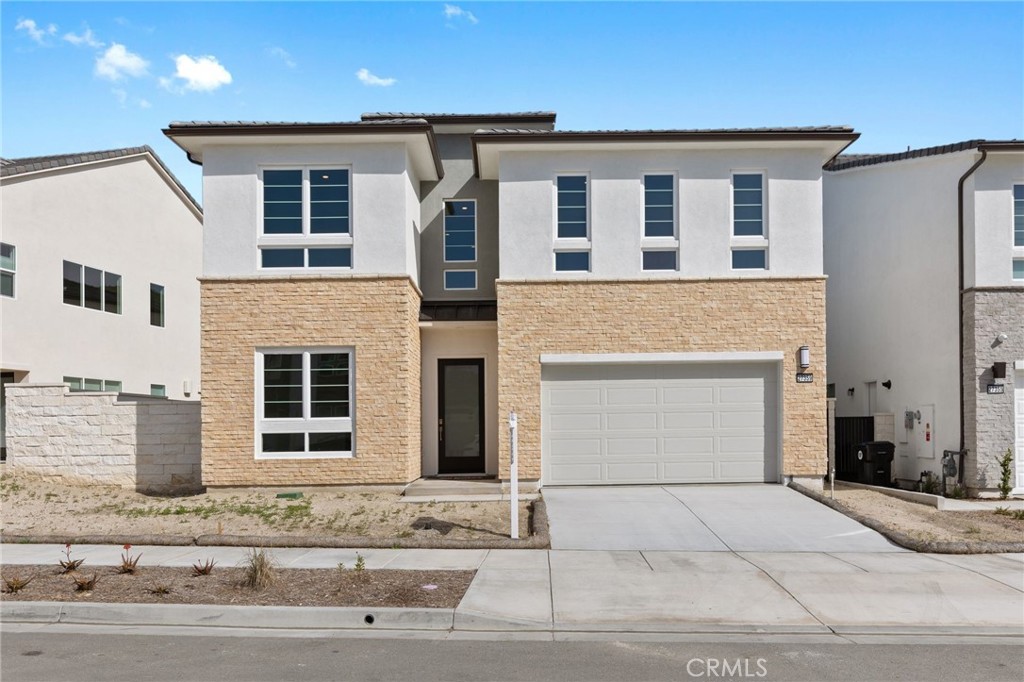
pixel 367 78
pixel 34 31
pixel 117 62
pixel 454 13
pixel 144 104
pixel 87 37
pixel 283 55
pixel 201 74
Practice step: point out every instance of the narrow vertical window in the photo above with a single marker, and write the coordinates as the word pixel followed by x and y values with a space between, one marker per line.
pixel 1018 268
pixel 659 206
pixel 747 205
pixel 156 305
pixel 72 283
pixel 93 288
pixel 112 292
pixel 572 206
pixel 1018 215
pixel 8 266
pixel 282 202
pixel 328 202
pixel 459 231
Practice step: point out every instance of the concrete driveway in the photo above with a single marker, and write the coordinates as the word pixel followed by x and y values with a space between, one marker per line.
pixel 719 518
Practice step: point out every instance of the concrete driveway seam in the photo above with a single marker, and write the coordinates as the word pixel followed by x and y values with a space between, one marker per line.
pixel 784 589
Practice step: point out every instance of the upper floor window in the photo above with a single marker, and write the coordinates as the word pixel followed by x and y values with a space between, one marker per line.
pixel 749 259
pixel 8 263
pixel 455 280
pixel 156 305
pixel 86 384
pixel 306 201
pixel 572 206
pixel 1018 215
pixel 572 261
pixel 659 206
pixel 92 288
pixel 1018 268
pixel 459 231
pixel 660 259
pixel 747 205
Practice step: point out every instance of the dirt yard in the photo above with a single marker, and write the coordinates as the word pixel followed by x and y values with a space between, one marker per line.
pixel 290 587
pixel 927 523
pixel 31 507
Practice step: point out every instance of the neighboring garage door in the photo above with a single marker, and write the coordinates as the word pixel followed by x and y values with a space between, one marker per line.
pixel 674 423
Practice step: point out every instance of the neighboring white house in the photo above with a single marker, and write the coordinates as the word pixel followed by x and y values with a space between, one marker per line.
pixel 917 327
pixel 101 254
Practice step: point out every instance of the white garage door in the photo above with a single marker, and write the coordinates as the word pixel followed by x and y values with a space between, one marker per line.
pixel 678 423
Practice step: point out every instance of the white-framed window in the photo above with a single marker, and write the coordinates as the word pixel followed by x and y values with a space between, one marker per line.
pixel 460 231
pixel 748 204
pixel 156 305
pixel 158 390
pixel 92 288
pixel 659 205
pixel 572 261
pixel 572 206
pixel 1018 269
pixel 459 280
pixel 1018 216
pixel 750 259
pixel 8 269
pixel 659 259
pixel 86 384
pixel 304 403
pixel 305 217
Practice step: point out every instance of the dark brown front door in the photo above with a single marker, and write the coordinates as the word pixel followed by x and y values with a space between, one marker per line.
pixel 460 410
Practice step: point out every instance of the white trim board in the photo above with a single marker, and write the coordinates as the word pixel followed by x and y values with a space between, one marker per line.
pixel 657 358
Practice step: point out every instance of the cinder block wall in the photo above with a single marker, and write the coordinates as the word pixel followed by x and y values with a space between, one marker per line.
pixel 988 419
pixel 150 444
pixel 376 315
pixel 655 316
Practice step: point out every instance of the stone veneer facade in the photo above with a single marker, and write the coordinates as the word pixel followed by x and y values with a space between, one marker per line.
pixel 378 316
pixel 989 419
pixel 670 316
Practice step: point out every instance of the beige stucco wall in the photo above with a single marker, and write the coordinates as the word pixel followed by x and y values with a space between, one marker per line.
pixel 150 444
pixel 648 316
pixel 378 316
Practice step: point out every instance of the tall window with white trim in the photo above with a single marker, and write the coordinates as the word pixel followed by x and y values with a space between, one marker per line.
pixel 8 268
pixel 1018 215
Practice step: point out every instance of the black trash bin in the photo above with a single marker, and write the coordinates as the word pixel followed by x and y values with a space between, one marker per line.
pixel 874 462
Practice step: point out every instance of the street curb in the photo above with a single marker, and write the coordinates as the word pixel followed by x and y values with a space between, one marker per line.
pixel 904 540
pixel 540 539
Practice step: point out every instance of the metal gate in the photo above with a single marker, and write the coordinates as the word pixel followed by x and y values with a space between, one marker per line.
pixel 850 431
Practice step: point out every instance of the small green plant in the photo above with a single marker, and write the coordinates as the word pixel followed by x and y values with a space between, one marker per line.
pixel 85 583
pixel 129 563
pixel 16 583
pixel 360 563
pixel 160 589
pixel 1005 474
pixel 203 567
pixel 972 530
pixel 259 569
pixel 929 483
pixel 958 492
pixel 1003 511
pixel 1015 514
pixel 67 564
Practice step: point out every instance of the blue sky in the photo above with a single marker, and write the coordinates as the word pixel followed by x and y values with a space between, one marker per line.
pixel 86 76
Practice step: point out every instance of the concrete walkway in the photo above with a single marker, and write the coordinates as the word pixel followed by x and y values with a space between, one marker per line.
pixel 719 518
pixel 615 591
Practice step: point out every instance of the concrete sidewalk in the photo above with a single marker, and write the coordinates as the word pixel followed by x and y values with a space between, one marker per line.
pixel 611 591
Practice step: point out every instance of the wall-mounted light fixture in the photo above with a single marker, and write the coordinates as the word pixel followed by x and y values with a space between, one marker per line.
pixel 849 391
pixel 887 384
pixel 805 357
pixel 1002 337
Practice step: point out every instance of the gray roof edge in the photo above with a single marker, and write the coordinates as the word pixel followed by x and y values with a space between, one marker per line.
pixel 38 164
pixel 848 161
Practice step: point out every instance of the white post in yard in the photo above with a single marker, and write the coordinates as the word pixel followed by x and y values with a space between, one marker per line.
pixel 513 433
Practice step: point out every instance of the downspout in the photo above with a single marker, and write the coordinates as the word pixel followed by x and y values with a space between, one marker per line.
pixel 960 287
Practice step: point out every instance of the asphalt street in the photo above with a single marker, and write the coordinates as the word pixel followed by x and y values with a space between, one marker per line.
pixel 78 657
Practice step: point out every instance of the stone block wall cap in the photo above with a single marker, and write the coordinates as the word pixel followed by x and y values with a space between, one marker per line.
pixel 663 280
pixel 313 277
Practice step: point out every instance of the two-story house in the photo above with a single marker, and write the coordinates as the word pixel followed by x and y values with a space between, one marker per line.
pixel 379 295
pixel 924 251
pixel 100 254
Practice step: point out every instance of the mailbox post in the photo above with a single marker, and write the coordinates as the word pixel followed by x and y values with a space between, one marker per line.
pixel 513 433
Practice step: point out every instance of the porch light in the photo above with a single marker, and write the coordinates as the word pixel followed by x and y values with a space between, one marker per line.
pixel 805 357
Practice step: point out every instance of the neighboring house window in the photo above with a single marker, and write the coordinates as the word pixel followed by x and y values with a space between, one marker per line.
pixel 156 305
pixel 455 280
pixel 1018 215
pixel 660 260
pixel 158 390
pixel 572 206
pixel 304 403
pixel 747 205
pixel 8 263
pixel 749 259
pixel 86 384
pixel 572 261
pixel 1018 268
pixel 92 288
pixel 303 207
pixel 459 231
pixel 659 206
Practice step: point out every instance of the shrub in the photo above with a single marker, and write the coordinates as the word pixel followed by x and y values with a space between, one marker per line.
pixel 67 564
pixel 160 590
pixel 203 567
pixel 84 583
pixel 259 569
pixel 1005 474
pixel 128 562
pixel 16 583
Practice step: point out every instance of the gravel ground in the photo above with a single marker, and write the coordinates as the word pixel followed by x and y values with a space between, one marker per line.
pixel 291 587
pixel 927 523
pixel 32 507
